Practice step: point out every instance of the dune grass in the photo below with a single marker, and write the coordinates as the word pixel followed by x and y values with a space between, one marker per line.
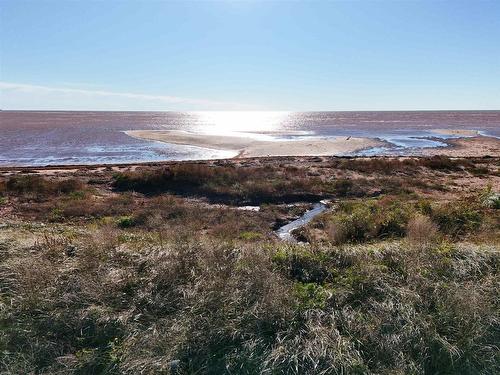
pixel 208 307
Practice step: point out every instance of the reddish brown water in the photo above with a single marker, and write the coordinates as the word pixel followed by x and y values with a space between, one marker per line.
pixel 50 138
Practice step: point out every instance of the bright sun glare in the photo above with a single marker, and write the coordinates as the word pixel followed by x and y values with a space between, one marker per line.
pixel 238 122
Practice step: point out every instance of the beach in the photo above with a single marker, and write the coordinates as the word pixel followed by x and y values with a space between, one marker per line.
pixel 477 146
pixel 249 147
pixel 466 144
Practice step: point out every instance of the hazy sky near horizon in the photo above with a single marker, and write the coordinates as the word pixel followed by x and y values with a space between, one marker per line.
pixel 262 55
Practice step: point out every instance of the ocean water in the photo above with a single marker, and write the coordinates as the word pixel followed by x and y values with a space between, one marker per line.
pixel 58 138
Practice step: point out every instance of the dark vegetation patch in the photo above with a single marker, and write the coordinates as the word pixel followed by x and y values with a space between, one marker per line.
pixel 282 184
pixel 409 165
pixel 38 186
pixel 253 185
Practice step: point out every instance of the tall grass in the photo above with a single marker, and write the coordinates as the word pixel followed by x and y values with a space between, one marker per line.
pixel 32 184
pixel 206 307
pixel 150 282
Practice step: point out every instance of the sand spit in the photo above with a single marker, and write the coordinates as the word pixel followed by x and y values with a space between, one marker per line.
pixel 248 147
pixel 457 132
pixel 467 147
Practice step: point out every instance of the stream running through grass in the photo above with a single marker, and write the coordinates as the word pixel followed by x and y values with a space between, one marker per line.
pixel 285 232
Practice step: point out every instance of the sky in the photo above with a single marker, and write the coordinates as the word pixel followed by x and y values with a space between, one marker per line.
pixel 249 55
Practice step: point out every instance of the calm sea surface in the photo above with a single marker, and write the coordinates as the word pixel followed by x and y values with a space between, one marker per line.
pixel 53 138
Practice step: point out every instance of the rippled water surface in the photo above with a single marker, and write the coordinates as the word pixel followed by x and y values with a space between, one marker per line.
pixel 50 138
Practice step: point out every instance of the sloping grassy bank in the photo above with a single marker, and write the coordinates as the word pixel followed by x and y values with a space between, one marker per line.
pixel 207 307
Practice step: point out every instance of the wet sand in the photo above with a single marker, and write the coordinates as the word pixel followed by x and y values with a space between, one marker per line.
pixel 248 147
pixel 467 147
pixel 457 132
pixel 467 144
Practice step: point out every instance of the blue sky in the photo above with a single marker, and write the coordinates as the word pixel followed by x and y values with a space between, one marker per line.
pixel 302 55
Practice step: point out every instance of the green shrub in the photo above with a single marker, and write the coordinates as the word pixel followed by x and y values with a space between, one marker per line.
pixel 250 236
pixel 458 218
pixel 41 186
pixel 126 222
pixel 303 265
pixel 362 221
pixel 311 296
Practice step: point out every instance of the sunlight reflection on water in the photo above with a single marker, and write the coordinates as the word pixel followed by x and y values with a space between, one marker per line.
pixel 236 123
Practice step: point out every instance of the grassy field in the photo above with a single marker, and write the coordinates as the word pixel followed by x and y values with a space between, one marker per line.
pixel 155 269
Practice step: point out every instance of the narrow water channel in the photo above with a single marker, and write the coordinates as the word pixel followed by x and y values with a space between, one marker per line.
pixel 285 232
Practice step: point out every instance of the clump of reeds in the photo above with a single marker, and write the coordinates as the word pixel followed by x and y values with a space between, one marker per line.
pixel 422 231
pixel 41 186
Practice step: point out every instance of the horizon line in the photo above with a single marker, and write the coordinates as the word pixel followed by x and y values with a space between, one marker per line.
pixel 251 110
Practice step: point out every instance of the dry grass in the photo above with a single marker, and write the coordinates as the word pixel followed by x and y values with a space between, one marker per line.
pixel 39 186
pixel 215 308
pixel 252 185
pixel 421 231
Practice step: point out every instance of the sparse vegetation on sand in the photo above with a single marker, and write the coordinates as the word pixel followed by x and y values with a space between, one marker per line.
pixel 139 272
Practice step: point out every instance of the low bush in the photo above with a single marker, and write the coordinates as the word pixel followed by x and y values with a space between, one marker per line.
pixel 40 186
pixel 458 218
pixel 441 162
pixel 489 198
pixel 422 231
pixel 375 165
pixel 344 187
pixel 366 220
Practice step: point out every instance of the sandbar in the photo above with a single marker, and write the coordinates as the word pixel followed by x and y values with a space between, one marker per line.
pixel 467 147
pixel 457 132
pixel 249 147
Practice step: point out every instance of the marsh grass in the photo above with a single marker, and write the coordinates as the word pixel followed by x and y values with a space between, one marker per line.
pixel 219 308
pixel 39 186
pixel 252 185
pixel 422 231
